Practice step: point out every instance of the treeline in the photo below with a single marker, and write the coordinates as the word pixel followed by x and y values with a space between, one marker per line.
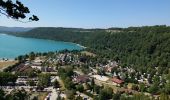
pixel 139 47
pixel 59 34
pixel 7 79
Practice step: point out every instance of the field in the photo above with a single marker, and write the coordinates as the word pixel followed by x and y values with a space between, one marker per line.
pixel 4 64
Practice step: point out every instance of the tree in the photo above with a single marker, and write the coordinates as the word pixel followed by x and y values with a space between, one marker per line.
pixel 17 95
pixel 2 93
pixel 6 78
pixel 142 87
pixel 44 80
pixel 92 84
pixel 80 88
pixel 32 56
pixel 116 96
pixel 32 74
pixel 15 10
pixel 105 94
pixel 31 83
pixel 97 89
pixel 154 89
pixel 68 83
pixel 56 84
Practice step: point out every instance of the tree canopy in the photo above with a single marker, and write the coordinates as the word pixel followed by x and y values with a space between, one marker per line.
pixel 16 10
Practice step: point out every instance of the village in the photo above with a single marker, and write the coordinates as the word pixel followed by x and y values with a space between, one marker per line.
pixel 69 75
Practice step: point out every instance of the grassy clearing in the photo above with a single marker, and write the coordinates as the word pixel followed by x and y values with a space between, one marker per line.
pixel 88 53
pixel 62 88
pixel 4 64
pixel 40 95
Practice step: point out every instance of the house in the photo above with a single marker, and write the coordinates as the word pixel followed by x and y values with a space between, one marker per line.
pixel 23 80
pixel 36 65
pixel 110 66
pixel 117 81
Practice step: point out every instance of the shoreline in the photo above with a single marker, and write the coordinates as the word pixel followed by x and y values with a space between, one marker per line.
pixel 81 46
pixel 48 40
pixel 6 60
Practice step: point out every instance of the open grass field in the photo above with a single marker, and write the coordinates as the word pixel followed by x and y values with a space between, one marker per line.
pixel 4 64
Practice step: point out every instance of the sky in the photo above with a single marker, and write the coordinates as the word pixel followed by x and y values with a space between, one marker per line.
pixel 94 13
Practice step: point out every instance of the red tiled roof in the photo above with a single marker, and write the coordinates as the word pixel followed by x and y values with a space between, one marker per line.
pixel 116 80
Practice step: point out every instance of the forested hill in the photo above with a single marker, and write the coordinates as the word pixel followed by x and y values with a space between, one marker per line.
pixel 14 29
pixel 60 34
pixel 135 46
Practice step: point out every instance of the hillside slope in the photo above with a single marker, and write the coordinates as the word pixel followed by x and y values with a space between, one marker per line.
pixel 135 46
pixel 14 29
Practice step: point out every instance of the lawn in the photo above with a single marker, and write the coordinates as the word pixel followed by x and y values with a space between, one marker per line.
pixel 62 85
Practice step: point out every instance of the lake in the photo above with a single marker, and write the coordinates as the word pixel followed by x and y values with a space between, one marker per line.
pixel 11 46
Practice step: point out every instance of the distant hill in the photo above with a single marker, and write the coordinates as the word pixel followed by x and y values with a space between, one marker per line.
pixel 60 34
pixel 14 29
pixel 140 47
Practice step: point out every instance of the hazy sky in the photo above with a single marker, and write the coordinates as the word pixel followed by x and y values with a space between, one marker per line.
pixel 95 13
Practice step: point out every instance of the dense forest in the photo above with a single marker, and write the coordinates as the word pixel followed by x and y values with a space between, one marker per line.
pixel 139 47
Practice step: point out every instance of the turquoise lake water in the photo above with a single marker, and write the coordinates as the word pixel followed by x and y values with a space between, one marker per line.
pixel 11 46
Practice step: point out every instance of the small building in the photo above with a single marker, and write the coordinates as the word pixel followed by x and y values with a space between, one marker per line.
pixel 117 81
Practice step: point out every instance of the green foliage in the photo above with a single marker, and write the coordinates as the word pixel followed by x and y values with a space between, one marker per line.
pixel 17 95
pixel 140 97
pixel 15 10
pixel 56 84
pixel 70 94
pixel 105 94
pixel 79 98
pixel 32 56
pixel 116 96
pixel 65 74
pixel 142 87
pixel 80 88
pixel 44 80
pixel 138 47
pixel 31 83
pixel 6 77
pixel 97 89
pixel 154 89
pixel 2 94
